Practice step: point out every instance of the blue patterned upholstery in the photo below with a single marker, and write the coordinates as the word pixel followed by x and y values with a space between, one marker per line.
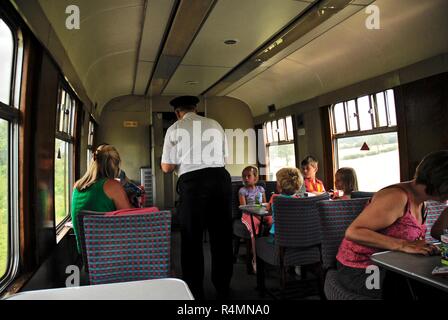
pixel 268 252
pixel 362 194
pixel 297 239
pixel 297 221
pixel 433 211
pixel 297 229
pixel 335 217
pixel 127 247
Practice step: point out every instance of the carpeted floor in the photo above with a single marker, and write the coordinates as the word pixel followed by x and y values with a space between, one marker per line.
pixel 243 285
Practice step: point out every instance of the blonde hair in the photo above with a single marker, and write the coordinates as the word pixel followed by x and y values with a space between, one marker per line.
pixel 105 164
pixel 290 180
pixel 349 179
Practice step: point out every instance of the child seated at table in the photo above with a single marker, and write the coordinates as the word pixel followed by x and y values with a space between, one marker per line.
pixel 310 166
pixel 289 182
pixel 345 183
pixel 251 194
pixel 289 185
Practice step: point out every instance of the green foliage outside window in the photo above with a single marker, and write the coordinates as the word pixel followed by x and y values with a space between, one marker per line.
pixel 3 196
pixel 61 180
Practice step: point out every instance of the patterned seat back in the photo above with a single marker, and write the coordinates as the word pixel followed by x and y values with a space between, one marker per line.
pixel 297 222
pixel 433 211
pixel 126 247
pixel 335 217
pixel 362 194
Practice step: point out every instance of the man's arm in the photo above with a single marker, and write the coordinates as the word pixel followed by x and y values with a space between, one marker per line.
pixel 168 168
pixel 168 156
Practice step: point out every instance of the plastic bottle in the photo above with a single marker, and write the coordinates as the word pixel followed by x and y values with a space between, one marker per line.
pixel 259 198
pixel 444 247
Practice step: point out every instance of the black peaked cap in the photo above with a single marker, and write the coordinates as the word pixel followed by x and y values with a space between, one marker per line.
pixel 184 101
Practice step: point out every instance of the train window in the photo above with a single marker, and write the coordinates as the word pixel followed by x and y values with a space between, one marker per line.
pixel 63 169
pixel 91 134
pixel 352 114
pixel 279 135
pixel 389 94
pixel 289 128
pixel 339 117
pixel 4 196
pixel 6 62
pixel 62 180
pixel 381 107
pixel 10 66
pixel 365 113
pixel 268 130
pixel 375 128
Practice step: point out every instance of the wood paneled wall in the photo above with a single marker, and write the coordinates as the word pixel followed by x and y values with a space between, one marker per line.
pixel 422 115
pixel 43 111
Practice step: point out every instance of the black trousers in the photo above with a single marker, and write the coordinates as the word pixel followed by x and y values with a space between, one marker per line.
pixel 205 203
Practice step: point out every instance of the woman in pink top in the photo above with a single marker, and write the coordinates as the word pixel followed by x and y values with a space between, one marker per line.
pixel 394 220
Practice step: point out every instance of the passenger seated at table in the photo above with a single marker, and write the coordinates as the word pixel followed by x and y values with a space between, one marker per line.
pixel 133 191
pixel 251 194
pixel 310 166
pixel 345 182
pixel 289 183
pixel 98 190
pixel 440 225
pixel 394 220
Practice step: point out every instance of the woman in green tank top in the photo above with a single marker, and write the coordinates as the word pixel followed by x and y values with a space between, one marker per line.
pixel 98 190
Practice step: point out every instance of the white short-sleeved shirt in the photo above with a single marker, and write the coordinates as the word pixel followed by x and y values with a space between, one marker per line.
pixel 195 143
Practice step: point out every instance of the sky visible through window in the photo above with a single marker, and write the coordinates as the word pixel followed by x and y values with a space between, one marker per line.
pixel 6 60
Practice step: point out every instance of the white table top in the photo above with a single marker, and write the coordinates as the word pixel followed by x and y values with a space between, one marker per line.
pixel 158 289
pixel 414 266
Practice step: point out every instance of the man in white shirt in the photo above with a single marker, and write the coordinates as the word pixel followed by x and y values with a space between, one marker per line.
pixel 195 147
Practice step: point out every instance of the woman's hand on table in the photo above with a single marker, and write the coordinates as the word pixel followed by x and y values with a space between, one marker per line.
pixel 419 247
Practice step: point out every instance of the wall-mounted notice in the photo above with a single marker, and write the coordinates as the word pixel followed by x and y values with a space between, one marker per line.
pixel 130 124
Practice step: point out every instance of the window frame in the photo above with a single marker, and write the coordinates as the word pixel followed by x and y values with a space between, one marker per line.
pixel 70 137
pixel 278 142
pixel 90 138
pixel 11 114
pixel 376 128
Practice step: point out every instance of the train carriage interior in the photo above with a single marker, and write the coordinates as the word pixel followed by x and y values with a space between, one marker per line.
pixel 354 83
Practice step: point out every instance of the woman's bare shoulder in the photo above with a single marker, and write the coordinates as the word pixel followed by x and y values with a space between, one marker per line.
pixel 112 185
pixel 395 195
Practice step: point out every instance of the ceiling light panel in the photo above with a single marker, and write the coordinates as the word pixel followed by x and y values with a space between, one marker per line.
pixel 336 19
pixel 252 22
pixel 155 22
pixel 337 59
pixel 179 84
pixel 187 22
pixel 234 19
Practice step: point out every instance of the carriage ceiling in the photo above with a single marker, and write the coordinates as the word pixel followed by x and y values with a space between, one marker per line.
pixel 173 47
